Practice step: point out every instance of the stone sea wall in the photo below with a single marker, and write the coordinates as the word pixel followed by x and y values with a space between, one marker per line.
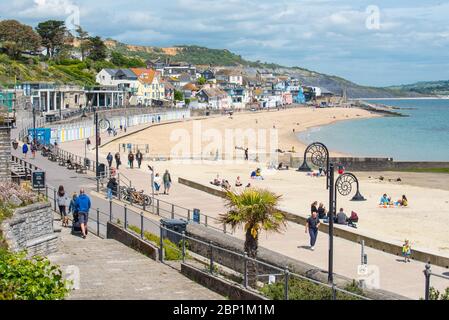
pixel 31 228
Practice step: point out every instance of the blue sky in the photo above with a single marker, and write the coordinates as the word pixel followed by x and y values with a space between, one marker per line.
pixel 408 42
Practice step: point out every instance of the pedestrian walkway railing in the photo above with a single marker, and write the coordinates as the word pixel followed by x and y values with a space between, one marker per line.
pixel 428 274
pixel 211 258
pixel 240 268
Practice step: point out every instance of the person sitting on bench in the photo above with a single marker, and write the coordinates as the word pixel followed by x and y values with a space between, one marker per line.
pixel 341 217
pixel 238 183
pixel 282 167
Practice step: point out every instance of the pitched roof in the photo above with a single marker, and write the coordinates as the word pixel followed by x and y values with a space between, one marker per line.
pixel 145 75
pixel 185 77
pixel 228 72
pixel 214 92
pixel 190 86
pixel 112 72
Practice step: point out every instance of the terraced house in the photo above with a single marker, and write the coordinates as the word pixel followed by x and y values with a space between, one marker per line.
pixel 150 87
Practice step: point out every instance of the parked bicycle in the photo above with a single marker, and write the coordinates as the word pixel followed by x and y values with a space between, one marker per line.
pixel 134 196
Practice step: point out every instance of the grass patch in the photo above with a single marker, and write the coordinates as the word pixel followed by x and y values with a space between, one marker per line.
pixel 301 289
pixel 173 252
pixel 425 170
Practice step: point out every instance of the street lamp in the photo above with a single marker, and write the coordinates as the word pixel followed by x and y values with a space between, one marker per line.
pixel 152 185
pixel 319 156
pixel 34 124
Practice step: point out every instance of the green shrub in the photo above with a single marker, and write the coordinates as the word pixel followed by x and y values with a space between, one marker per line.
pixel 436 295
pixel 173 252
pixel 301 289
pixel 30 279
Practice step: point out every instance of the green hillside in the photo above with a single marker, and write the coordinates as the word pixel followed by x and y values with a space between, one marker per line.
pixel 425 88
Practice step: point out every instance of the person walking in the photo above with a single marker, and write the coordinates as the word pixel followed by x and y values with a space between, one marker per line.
pixel 33 151
pixel 118 162
pixel 109 158
pixel 72 206
pixel 88 143
pixel 131 159
pixel 139 158
pixel 25 150
pixel 83 204
pixel 167 182
pixel 312 225
pixel 62 200
pixel 157 183
pixel 246 154
pixel 112 188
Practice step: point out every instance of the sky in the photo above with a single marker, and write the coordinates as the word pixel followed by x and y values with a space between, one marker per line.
pixel 375 42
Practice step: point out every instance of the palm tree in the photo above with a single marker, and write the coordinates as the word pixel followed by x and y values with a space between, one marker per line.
pixel 255 209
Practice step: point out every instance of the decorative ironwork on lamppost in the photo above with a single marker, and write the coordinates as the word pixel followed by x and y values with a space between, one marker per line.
pixel 318 154
pixel 343 186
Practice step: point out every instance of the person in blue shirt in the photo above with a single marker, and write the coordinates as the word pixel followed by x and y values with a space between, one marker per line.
pixel 384 200
pixel 83 206
pixel 25 150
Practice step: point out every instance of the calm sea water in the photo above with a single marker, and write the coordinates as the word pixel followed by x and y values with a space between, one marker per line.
pixel 424 135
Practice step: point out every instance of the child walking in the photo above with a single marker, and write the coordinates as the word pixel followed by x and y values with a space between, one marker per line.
pixel 406 251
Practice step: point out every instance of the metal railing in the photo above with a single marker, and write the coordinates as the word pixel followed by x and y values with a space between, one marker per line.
pixel 428 274
pixel 130 219
pixel 133 220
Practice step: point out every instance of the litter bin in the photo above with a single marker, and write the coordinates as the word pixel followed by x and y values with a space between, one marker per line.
pixel 86 162
pixel 196 215
pixel 101 169
pixel 177 226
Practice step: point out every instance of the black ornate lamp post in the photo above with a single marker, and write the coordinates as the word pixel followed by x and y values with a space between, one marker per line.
pixel 319 156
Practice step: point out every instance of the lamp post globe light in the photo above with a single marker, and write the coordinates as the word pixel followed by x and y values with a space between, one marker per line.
pixel 319 156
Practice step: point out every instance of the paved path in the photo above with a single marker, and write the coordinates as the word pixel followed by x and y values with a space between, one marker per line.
pixel 110 270
pixel 395 276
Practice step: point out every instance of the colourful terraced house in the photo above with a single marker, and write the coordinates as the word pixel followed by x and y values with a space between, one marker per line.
pixel 150 89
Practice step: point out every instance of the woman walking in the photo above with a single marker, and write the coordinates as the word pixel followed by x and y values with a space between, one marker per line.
pixel 167 182
pixel 62 200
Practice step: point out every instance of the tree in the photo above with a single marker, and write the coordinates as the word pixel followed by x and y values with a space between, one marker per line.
pixel 97 49
pixel 256 210
pixel 82 37
pixel 179 96
pixel 17 38
pixel 53 34
pixel 201 81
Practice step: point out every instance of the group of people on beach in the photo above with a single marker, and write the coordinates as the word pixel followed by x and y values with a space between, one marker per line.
pixel 225 183
pixel 386 201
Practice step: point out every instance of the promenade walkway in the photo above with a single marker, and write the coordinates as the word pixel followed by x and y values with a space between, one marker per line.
pixel 111 271
pixel 395 276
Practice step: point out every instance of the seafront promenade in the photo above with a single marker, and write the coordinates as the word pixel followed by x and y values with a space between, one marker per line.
pixel 395 276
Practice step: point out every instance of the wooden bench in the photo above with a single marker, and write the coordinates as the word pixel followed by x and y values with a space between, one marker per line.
pixel 80 168
pixel 71 165
pixel 53 157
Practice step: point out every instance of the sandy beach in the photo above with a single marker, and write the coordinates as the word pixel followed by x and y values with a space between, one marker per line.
pixel 287 123
pixel 425 222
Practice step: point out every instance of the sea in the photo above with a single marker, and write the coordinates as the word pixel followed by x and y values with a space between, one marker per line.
pixel 422 136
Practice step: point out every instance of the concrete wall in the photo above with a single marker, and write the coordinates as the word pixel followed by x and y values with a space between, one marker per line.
pixel 342 232
pixel 219 285
pixel 5 154
pixel 374 164
pixel 31 228
pixel 131 240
